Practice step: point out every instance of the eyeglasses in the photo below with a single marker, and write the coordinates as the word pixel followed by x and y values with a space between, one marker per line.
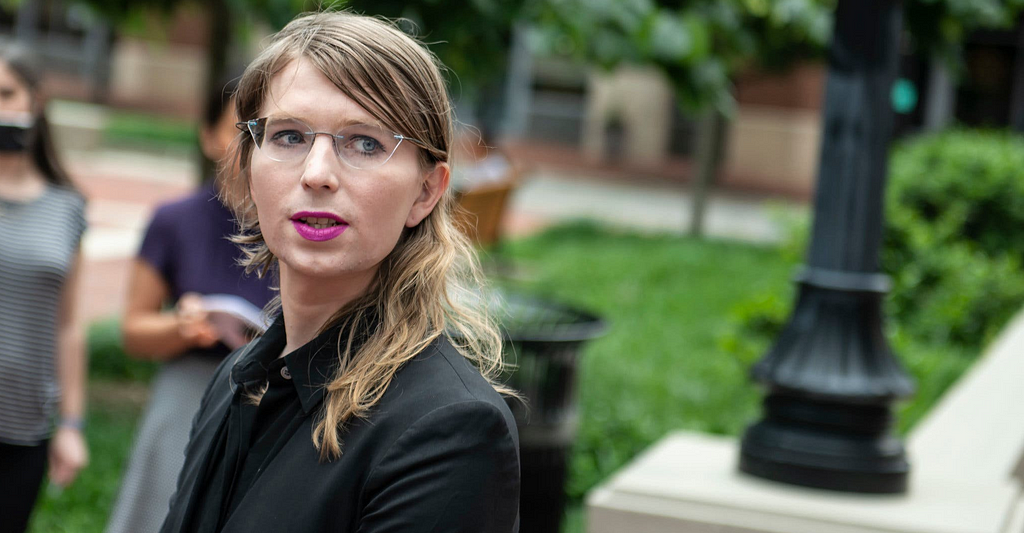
pixel 360 146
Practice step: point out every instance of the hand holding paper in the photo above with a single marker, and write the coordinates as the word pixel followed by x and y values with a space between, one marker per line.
pixel 234 318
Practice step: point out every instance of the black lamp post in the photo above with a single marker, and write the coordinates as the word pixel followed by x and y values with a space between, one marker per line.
pixel 831 377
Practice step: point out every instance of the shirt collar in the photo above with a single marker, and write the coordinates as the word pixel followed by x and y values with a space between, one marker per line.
pixel 311 366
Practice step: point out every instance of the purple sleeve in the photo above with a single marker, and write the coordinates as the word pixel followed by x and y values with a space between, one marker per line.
pixel 159 244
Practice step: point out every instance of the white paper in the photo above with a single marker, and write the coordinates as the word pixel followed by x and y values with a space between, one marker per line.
pixel 233 317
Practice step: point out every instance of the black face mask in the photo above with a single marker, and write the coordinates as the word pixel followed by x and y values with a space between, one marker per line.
pixel 13 138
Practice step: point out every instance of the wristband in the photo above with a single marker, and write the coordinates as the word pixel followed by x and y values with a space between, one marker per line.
pixel 72 423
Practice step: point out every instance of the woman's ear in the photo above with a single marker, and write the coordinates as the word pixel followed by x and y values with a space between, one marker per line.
pixel 435 182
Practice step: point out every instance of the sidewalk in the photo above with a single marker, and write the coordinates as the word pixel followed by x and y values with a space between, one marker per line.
pixel 124 188
pixel 549 196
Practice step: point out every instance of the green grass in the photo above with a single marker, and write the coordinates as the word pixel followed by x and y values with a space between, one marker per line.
pixel 83 508
pixel 107 358
pixel 139 131
pixel 664 364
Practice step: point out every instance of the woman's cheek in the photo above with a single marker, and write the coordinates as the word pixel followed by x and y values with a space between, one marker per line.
pixel 264 211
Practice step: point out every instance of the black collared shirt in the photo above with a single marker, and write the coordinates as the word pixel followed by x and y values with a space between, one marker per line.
pixel 253 433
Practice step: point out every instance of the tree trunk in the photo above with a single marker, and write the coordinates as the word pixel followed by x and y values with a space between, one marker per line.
pixel 940 102
pixel 710 144
pixel 217 61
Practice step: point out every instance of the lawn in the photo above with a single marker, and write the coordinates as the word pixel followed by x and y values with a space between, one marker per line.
pixel 662 365
pixel 114 407
pixel 146 132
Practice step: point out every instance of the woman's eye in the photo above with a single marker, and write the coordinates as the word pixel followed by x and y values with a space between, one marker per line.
pixel 288 137
pixel 366 144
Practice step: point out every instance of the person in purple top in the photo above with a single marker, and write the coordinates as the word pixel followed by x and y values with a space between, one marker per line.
pixel 187 247
pixel 185 257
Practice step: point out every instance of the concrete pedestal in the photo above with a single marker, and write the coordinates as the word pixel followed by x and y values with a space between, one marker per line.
pixel 690 483
pixel 965 474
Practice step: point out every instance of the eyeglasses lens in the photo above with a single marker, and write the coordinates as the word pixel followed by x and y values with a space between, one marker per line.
pixel 289 140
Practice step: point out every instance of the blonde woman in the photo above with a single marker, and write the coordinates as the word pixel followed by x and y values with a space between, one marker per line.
pixel 356 411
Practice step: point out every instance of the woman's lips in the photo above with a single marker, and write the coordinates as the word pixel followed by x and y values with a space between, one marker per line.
pixel 318 225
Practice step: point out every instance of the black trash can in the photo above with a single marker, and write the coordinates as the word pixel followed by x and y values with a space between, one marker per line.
pixel 543 340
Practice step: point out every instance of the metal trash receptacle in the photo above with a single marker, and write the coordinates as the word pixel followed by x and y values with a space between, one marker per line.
pixel 543 340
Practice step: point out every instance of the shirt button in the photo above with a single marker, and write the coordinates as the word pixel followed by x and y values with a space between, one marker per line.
pixel 285 373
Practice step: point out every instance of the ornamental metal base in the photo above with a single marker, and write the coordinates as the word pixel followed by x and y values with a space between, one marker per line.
pixel 825 445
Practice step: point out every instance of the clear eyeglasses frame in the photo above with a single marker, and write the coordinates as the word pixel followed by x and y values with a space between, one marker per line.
pixel 289 140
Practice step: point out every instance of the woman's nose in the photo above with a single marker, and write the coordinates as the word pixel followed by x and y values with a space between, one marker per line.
pixel 322 165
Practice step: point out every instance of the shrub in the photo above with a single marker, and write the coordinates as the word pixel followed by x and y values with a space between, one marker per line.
pixel 966 186
pixel 952 246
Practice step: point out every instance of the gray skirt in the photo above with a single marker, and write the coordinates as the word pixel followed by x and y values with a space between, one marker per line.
pixel 159 450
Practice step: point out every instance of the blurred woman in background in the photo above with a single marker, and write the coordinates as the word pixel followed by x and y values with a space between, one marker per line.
pixel 42 361
pixel 185 262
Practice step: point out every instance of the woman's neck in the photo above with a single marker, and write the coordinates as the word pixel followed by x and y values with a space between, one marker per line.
pixel 19 179
pixel 308 303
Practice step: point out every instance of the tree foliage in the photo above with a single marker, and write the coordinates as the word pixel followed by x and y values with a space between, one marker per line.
pixel 698 44
pixel 701 44
pixel 275 12
pixel 471 37
pixel 940 26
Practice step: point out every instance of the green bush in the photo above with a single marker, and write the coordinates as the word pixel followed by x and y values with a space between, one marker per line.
pixel 967 186
pixel 107 358
pixel 953 246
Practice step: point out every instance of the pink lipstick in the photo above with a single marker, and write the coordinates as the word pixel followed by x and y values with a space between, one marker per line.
pixel 318 225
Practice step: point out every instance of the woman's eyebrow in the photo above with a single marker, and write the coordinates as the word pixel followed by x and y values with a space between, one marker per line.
pixel 340 125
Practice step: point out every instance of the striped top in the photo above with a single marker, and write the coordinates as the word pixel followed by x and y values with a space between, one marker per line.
pixel 38 242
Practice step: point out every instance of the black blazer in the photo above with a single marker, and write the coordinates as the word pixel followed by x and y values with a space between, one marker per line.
pixel 439 453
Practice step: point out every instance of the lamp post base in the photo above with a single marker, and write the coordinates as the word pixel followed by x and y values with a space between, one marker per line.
pixel 825 445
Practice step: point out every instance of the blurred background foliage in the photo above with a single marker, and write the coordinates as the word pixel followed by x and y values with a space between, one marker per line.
pixel 941 25
pixel 954 202
pixel 700 45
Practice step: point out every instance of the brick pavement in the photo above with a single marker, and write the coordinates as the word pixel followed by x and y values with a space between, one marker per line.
pixel 122 193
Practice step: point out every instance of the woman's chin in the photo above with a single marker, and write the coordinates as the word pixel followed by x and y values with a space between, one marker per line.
pixel 322 269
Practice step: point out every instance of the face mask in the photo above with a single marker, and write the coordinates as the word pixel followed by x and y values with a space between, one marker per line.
pixel 13 137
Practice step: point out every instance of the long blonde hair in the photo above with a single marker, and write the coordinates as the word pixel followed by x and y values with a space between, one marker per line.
pixel 422 289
